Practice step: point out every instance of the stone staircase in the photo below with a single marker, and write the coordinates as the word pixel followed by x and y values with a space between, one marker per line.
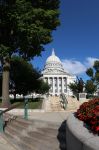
pixel 52 103
pixel 73 104
pixel 36 134
pixel 55 104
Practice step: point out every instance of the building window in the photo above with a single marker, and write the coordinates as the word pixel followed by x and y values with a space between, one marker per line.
pixel 55 90
pixel 50 85
pixel 65 90
pixel 60 90
pixel 55 85
pixel 50 90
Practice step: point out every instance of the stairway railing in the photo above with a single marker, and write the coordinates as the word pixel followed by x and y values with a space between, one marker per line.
pixel 63 101
pixel 2 122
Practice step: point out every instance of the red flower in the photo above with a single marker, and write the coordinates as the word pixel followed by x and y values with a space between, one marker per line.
pixel 89 113
pixel 97 128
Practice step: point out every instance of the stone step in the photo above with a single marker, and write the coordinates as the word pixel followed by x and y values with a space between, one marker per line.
pixel 36 140
pixel 37 123
pixel 29 141
pixel 36 134
pixel 48 130
pixel 18 143
pixel 44 140
pixel 49 133
pixel 44 144
pixel 17 125
pixel 55 104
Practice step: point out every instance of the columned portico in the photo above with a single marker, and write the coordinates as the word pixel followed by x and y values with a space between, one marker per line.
pixel 56 77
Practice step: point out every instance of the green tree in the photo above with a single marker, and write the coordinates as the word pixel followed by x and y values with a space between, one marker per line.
pixel 25 27
pixel 23 76
pixel 92 85
pixel 77 86
pixel 74 88
pixel 43 87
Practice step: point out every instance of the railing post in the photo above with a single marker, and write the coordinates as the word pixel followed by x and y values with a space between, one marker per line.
pixel 26 109
pixel 64 100
pixel 1 122
pixel 65 104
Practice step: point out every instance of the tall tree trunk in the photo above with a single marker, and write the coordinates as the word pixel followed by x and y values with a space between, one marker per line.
pixel 5 84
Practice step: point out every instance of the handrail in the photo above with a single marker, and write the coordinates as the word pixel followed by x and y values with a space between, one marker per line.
pixel 10 108
pixel 64 100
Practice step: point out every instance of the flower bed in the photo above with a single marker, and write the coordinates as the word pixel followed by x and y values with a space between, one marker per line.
pixel 89 114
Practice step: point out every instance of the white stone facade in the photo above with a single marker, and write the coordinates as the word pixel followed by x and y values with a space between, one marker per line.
pixel 56 77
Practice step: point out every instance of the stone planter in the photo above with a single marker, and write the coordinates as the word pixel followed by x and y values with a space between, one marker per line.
pixel 78 137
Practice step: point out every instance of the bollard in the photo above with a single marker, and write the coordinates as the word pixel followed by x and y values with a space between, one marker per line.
pixel 26 109
pixel 1 122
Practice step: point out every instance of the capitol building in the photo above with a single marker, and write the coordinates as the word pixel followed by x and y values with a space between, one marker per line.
pixel 56 76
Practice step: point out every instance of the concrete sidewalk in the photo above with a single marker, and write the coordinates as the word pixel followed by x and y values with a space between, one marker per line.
pixel 56 117
pixel 4 144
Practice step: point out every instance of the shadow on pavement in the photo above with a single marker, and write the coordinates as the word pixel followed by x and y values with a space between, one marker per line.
pixel 62 136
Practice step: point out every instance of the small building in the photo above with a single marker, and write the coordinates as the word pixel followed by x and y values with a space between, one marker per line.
pixel 56 76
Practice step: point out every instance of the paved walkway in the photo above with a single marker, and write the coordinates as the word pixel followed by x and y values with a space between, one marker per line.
pixel 51 116
pixel 4 145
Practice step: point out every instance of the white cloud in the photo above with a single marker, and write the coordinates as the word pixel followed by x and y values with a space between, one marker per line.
pixel 77 67
pixel 90 61
pixel 73 66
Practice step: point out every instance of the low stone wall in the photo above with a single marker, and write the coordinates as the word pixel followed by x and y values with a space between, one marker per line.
pixel 78 137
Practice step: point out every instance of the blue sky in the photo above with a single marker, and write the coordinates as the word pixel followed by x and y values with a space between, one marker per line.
pixel 76 40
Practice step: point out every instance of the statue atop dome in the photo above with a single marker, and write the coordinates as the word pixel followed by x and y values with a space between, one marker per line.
pixel 53 51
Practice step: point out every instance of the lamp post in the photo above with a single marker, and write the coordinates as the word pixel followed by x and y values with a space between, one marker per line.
pixel 26 109
pixel 1 122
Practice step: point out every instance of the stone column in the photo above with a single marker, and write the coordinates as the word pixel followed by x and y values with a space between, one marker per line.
pixel 66 83
pixel 58 85
pixel 62 85
pixel 48 81
pixel 53 86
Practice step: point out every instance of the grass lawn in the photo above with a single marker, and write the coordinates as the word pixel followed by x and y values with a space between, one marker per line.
pixel 32 103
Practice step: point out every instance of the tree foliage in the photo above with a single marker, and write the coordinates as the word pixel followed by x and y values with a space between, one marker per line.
pixel 26 26
pixel 43 87
pixel 77 86
pixel 26 79
pixel 92 85
pixel 23 76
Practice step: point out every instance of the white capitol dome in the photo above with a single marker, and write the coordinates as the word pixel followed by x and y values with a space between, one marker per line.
pixel 53 58
pixel 53 63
